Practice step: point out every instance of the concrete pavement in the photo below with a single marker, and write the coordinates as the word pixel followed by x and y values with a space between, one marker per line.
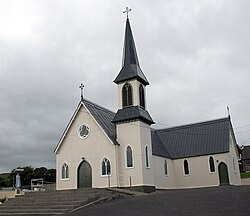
pixel 224 200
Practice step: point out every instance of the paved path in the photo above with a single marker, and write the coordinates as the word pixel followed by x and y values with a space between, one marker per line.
pixel 225 200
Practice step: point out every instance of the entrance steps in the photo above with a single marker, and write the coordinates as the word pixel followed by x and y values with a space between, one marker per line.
pixel 55 202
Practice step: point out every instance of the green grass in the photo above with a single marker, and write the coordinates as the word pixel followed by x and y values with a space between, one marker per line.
pixel 245 175
pixel 4 176
pixel 4 180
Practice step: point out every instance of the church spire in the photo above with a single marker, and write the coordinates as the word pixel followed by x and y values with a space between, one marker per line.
pixel 130 63
pixel 131 84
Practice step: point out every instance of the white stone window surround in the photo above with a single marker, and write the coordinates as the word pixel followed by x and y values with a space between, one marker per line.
pixel 147 158
pixel 126 158
pixel 65 168
pixel 165 167
pixel 187 162
pixel 209 166
pixel 85 133
pixel 106 175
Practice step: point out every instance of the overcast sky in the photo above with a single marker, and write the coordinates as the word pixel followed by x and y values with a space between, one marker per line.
pixel 195 54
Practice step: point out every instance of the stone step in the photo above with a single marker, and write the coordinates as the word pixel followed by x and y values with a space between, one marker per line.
pixel 13 204
pixel 30 214
pixel 55 206
pixel 76 191
pixel 53 202
pixel 33 211
pixel 63 198
pixel 44 195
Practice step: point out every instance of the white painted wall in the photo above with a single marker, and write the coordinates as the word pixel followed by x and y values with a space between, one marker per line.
pixel 234 174
pixel 200 175
pixel 162 181
pixel 94 148
pixel 137 135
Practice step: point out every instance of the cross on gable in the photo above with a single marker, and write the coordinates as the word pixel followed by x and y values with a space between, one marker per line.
pixel 127 11
pixel 81 87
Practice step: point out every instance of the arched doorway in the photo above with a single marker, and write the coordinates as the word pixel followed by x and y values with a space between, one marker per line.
pixel 84 175
pixel 223 174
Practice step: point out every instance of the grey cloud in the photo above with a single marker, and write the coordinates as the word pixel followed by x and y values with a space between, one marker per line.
pixel 194 53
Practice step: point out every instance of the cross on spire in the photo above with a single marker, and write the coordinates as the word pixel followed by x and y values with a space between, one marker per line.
pixel 81 87
pixel 127 11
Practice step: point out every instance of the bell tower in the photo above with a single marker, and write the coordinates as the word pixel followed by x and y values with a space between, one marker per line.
pixel 132 119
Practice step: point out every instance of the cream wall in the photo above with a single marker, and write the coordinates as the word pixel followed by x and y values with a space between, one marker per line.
pixel 200 175
pixel 145 140
pixel 232 159
pixel 162 181
pixel 133 134
pixel 94 148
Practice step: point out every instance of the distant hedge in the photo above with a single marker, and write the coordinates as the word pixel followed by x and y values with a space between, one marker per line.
pixel 8 179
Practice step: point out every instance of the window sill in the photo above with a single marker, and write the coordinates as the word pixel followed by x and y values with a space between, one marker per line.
pixel 106 176
pixel 212 172
pixel 65 179
pixel 129 167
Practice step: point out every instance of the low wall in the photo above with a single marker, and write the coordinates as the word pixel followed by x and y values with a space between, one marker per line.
pixel 7 194
pixel 245 181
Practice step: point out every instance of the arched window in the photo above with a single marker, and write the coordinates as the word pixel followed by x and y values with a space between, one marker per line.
pixel 129 157
pixel 127 98
pixel 106 167
pixel 165 167
pixel 142 97
pixel 146 157
pixel 186 167
pixel 211 164
pixel 65 171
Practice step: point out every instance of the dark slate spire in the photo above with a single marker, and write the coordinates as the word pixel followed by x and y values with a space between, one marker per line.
pixel 130 63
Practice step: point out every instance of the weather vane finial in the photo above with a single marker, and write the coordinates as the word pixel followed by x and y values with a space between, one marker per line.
pixel 81 87
pixel 127 11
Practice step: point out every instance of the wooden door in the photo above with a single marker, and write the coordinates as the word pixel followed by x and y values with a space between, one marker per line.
pixel 84 175
pixel 223 174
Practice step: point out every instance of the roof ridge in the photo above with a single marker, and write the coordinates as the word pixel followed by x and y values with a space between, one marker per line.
pixel 196 124
pixel 98 106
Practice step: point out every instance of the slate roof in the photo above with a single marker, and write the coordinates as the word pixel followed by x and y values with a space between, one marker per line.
pixel 104 118
pixel 211 137
pixel 132 113
pixel 130 63
pixel 246 153
pixel 205 138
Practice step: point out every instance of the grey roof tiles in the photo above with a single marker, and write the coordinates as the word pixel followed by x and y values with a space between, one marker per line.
pixel 132 113
pixel 130 64
pixel 211 137
pixel 104 118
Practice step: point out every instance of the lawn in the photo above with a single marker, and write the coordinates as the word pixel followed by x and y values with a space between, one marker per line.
pixel 245 175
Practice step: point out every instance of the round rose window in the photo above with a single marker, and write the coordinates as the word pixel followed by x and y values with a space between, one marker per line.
pixel 83 131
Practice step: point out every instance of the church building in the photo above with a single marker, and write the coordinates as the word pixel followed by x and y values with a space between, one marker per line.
pixel 101 148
